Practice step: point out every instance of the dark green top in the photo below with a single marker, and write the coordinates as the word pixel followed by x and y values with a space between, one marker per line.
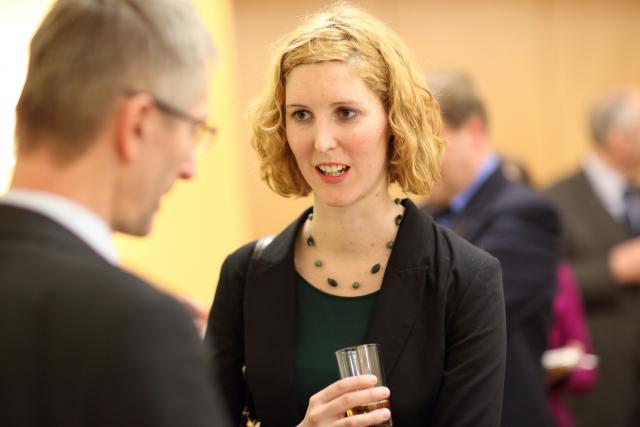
pixel 326 323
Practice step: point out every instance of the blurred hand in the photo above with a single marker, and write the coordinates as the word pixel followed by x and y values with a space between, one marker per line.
pixel 624 262
pixel 328 406
pixel 199 313
pixel 554 375
pixel 557 373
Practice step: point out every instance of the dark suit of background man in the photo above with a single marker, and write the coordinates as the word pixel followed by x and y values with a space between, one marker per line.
pixel 83 343
pixel 512 223
pixel 600 211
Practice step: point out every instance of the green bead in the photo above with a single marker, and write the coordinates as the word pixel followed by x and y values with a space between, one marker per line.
pixel 398 219
pixel 310 216
pixel 375 269
pixel 397 201
pixel 310 241
pixel 318 263
pixel 390 244
pixel 332 282
pixel 355 285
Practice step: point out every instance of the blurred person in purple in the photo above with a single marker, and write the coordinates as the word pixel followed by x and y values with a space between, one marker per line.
pixel 569 332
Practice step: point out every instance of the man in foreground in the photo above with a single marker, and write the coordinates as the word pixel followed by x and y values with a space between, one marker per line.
pixel 114 99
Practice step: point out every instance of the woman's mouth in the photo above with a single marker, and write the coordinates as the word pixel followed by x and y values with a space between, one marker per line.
pixel 332 170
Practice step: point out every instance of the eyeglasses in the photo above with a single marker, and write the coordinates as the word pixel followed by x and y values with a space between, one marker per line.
pixel 202 134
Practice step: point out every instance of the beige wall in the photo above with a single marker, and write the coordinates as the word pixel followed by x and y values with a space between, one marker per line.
pixel 18 19
pixel 539 63
pixel 201 221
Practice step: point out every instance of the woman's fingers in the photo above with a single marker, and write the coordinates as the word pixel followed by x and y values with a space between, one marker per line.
pixel 350 400
pixel 343 386
pixel 329 405
pixel 369 419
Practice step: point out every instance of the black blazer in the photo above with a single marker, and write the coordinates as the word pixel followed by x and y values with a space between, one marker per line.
pixel 439 319
pixel 83 343
pixel 520 228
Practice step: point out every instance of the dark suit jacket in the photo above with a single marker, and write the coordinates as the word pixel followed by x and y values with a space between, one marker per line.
pixel 83 343
pixel 520 228
pixel 612 311
pixel 439 319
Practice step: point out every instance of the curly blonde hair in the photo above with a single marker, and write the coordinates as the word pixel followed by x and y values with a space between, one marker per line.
pixel 344 33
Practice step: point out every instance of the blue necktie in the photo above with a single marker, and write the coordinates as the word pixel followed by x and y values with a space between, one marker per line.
pixel 632 210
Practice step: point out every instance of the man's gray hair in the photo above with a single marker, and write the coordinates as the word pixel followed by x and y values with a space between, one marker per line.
pixel 457 97
pixel 615 110
pixel 88 53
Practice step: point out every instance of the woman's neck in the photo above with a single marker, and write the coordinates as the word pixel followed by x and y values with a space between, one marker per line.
pixel 355 228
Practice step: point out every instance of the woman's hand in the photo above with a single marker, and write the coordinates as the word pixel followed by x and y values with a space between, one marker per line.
pixel 329 405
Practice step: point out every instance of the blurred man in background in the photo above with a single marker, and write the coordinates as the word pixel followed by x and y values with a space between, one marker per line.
pixel 512 223
pixel 114 99
pixel 600 211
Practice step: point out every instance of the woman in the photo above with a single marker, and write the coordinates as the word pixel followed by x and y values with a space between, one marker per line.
pixel 344 115
pixel 569 331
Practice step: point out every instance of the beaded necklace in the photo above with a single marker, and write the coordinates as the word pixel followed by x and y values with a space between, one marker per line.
pixel 374 269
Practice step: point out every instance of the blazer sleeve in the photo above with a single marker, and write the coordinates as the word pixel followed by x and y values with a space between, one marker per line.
pixel 473 381
pixel 525 237
pixel 225 332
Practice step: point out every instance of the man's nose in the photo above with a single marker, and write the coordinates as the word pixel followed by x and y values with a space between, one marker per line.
pixel 189 168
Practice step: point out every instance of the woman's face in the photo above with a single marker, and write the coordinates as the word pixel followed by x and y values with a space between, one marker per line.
pixel 338 131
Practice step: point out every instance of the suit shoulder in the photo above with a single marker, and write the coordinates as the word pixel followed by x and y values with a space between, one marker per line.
pixel 564 186
pixel 82 295
pixel 518 194
pixel 238 259
pixel 462 256
pixel 134 299
pixel 527 206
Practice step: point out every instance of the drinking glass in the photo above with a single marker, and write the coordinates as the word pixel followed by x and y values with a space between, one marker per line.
pixel 363 360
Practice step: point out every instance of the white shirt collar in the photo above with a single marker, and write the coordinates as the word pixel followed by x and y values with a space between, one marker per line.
pixel 608 184
pixel 76 218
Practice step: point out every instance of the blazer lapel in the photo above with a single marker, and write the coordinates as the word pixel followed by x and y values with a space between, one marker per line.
pixel 270 332
pixel 402 289
pixel 610 226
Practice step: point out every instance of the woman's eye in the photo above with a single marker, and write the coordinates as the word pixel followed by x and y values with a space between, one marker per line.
pixel 346 113
pixel 301 115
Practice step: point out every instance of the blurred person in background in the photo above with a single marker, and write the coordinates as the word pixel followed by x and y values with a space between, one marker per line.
pixel 115 96
pixel 600 211
pixel 511 222
pixel 573 370
pixel 346 113
pixel 569 366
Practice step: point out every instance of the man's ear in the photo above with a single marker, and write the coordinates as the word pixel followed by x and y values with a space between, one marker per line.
pixel 132 125
pixel 475 125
